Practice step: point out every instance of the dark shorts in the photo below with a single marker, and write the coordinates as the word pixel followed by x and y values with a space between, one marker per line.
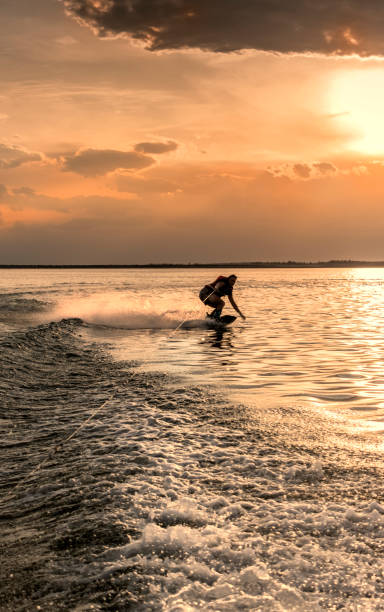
pixel 205 293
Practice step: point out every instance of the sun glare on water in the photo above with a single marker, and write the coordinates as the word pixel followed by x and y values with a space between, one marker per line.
pixel 357 101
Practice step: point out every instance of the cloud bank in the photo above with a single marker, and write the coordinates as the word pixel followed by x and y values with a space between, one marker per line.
pixel 334 213
pixel 285 26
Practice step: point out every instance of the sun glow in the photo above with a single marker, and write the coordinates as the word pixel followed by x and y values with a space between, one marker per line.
pixel 357 102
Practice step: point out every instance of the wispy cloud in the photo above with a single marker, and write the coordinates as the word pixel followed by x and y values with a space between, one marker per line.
pixel 156 147
pixel 12 156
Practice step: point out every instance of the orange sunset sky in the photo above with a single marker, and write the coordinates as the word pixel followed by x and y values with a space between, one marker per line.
pixel 138 131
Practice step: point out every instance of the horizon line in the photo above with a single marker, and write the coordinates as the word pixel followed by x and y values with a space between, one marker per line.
pixel 247 264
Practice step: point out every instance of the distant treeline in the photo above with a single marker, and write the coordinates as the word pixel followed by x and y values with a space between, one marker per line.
pixel 333 263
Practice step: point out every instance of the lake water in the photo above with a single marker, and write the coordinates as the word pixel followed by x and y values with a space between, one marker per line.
pixel 311 335
pixel 150 467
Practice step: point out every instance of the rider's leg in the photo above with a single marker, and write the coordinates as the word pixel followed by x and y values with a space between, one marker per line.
pixel 216 314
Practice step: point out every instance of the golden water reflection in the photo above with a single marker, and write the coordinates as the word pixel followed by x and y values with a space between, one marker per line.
pixel 312 336
pixel 316 336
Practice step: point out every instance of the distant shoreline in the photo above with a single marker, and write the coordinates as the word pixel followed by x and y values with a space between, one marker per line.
pixel 257 264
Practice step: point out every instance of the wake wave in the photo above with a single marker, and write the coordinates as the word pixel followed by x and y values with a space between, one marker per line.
pixel 17 304
pixel 285 519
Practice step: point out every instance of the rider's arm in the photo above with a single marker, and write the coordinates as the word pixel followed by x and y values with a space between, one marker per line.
pixel 235 306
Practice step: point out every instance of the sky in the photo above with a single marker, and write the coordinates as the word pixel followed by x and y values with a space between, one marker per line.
pixel 182 131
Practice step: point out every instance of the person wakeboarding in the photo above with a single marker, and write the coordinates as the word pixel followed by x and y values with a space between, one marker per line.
pixel 212 295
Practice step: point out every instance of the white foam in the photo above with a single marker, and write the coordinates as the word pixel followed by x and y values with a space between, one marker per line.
pixel 215 547
pixel 115 310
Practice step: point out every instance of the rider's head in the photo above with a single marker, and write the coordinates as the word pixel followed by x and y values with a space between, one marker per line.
pixel 232 279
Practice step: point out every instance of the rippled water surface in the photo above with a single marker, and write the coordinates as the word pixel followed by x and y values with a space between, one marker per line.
pixel 144 466
pixel 311 335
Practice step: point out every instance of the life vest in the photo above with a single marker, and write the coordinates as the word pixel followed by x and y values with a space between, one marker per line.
pixel 226 289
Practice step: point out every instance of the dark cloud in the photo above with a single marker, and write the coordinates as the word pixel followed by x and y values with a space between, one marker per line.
pixel 94 162
pixel 321 26
pixel 302 170
pixel 325 167
pixel 12 156
pixel 156 147
pixel 3 191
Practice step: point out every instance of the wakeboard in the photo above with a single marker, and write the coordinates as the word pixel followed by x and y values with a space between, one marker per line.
pixel 209 322
pixel 222 321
